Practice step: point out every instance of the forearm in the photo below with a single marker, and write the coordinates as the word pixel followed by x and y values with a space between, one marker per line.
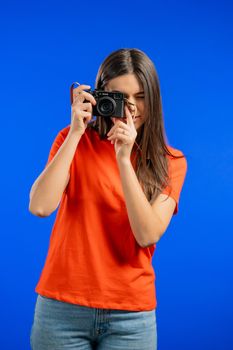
pixel 48 188
pixel 143 221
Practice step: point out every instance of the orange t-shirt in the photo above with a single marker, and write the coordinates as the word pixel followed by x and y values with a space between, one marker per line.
pixel 93 258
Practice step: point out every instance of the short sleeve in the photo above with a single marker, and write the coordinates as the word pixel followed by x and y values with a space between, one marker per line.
pixel 58 141
pixel 177 173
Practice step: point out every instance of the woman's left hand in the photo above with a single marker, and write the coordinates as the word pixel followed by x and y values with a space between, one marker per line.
pixel 123 136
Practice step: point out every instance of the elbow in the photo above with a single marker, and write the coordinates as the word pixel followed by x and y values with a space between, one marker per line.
pixel 147 244
pixel 38 211
pixel 150 242
pixel 153 235
pixel 36 208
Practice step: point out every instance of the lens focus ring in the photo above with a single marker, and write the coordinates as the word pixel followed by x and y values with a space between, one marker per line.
pixel 106 106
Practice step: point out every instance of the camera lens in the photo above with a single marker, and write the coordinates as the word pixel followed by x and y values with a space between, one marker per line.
pixel 106 106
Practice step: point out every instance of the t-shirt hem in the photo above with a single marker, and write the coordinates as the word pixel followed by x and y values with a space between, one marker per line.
pixel 85 302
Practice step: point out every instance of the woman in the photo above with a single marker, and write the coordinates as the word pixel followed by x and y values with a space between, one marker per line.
pixel 118 184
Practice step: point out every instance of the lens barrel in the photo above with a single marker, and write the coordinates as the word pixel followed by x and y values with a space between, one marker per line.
pixel 106 106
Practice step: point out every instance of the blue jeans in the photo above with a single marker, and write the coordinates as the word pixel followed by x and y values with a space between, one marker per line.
pixel 58 325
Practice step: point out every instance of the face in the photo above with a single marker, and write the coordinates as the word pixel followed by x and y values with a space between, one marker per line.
pixel 130 86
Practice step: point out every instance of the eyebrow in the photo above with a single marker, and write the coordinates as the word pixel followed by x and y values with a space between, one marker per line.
pixel 138 93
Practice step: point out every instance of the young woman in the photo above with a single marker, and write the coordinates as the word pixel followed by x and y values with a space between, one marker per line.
pixel 118 184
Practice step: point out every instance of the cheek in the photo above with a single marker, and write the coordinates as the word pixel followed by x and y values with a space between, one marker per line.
pixel 141 106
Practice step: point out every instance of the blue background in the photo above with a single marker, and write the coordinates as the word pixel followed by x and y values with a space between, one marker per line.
pixel 45 46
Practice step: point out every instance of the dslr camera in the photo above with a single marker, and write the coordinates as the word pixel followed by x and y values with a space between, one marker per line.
pixel 108 104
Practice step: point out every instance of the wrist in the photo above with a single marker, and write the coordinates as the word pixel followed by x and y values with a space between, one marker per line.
pixel 74 134
pixel 73 137
pixel 123 160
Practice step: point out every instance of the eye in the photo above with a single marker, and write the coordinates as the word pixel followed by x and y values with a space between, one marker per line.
pixel 142 96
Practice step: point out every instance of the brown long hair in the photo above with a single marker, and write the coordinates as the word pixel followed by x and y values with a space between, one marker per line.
pixel 150 145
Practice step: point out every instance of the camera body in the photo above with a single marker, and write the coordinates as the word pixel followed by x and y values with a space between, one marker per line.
pixel 108 104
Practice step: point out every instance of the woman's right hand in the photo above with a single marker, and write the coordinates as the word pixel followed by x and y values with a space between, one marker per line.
pixel 81 112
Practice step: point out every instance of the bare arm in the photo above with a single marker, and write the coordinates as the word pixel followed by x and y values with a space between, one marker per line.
pixel 48 188
pixel 148 222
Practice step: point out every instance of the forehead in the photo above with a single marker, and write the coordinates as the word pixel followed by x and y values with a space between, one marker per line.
pixel 128 84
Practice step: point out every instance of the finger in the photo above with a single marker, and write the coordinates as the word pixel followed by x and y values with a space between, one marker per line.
pixel 75 88
pixel 85 96
pixel 89 97
pixel 119 136
pixel 111 130
pixel 88 118
pixel 119 132
pixel 121 125
pixel 80 87
pixel 129 117
pixel 82 114
pixel 86 107
pixel 79 91
pixel 78 96
pixel 115 120
pixel 86 115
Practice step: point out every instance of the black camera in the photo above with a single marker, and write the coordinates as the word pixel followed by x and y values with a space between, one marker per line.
pixel 108 104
